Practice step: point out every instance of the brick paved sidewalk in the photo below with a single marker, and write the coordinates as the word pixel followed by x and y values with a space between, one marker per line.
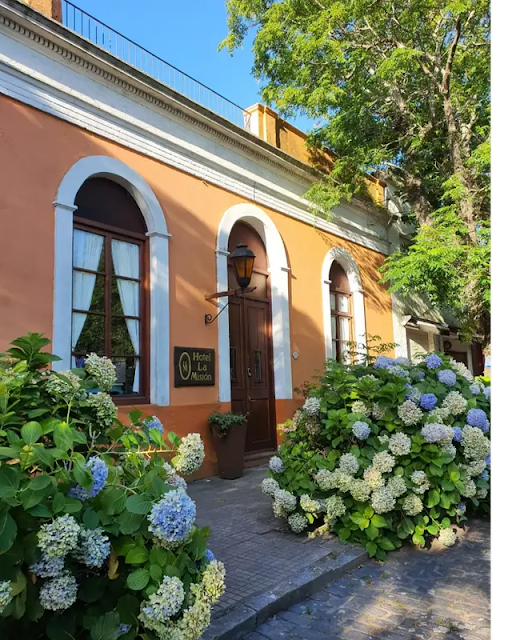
pixel 439 594
pixel 258 550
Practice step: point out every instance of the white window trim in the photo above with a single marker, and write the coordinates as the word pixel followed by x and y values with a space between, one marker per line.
pixel 348 264
pixel 279 285
pixel 117 171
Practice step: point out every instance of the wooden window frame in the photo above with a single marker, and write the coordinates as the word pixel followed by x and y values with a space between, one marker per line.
pixel 338 293
pixel 114 233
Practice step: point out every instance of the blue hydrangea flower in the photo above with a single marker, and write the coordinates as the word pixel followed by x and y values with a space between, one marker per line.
pixel 477 418
pixel 361 430
pixel 99 472
pixel 59 537
pixel 447 377
pixel 48 567
pixel 123 628
pixel 433 361
pixel 428 401
pixel 276 465
pixel 488 461
pixel 93 548
pixel 484 475
pixel 402 360
pixel 59 593
pixel 414 394
pixel 457 434
pixel 417 374
pixel 209 555
pixel 461 508
pixel 383 362
pixel 487 392
pixel 5 594
pixel 172 517
pixel 153 423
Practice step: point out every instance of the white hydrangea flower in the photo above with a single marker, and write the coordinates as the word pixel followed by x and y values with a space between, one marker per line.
pixel 173 478
pixel 311 406
pixel 397 486
pixel 469 490
pixel 475 444
pixel 348 463
pixel 481 494
pixel 373 478
pixel 360 490
pixel 104 408
pixel 412 505
pixel 324 479
pixel 269 486
pixel 276 465
pixel 383 439
pixel 462 370
pixel 383 500
pixel 378 412
pixel 383 461
pixel 65 385
pixel 455 403
pixel 359 407
pixel 335 507
pixel 450 449
pixel 447 537
pixel 102 370
pixel 298 522
pixel 284 501
pixel 474 468
pixel 409 413
pixel 440 414
pixel 310 505
pixel 190 454
pixel 341 481
pixel 400 444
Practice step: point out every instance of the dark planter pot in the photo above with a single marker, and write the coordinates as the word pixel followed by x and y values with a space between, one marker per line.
pixel 230 449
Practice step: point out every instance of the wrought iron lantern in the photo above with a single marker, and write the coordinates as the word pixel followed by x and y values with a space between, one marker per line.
pixel 242 259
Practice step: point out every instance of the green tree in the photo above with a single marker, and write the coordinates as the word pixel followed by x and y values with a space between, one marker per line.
pixel 402 89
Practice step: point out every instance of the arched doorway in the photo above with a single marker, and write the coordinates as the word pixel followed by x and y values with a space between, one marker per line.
pixel 250 350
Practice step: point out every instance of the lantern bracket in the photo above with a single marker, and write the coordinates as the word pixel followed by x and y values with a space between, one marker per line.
pixel 232 293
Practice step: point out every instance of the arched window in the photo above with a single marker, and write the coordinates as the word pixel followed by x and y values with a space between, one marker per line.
pixel 110 285
pixel 341 312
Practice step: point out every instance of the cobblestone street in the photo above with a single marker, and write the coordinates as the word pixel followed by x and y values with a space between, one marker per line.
pixel 439 594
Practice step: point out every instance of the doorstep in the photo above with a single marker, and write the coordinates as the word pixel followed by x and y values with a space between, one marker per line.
pixel 268 568
pixel 258 459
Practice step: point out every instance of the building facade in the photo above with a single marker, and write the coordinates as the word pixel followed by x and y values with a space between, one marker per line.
pixel 121 201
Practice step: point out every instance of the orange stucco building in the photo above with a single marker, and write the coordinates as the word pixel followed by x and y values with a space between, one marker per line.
pixel 99 161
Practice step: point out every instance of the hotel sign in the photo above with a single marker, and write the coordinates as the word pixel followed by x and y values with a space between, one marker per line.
pixel 194 367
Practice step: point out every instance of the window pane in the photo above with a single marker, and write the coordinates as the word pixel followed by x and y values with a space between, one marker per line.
pixel 344 349
pixel 333 302
pixel 125 256
pixel 125 297
pixel 88 333
pixel 333 327
pixel 128 371
pixel 124 337
pixel 86 282
pixel 334 349
pixel 343 304
pixel 344 324
pixel 258 371
pixel 87 249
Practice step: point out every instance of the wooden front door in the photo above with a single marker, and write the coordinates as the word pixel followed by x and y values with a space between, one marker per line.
pixel 251 350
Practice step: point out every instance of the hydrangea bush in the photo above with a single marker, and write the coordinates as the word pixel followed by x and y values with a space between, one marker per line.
pixel 384 452
pixel 97 533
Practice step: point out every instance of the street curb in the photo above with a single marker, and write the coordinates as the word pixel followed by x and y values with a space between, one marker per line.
pixel 246 616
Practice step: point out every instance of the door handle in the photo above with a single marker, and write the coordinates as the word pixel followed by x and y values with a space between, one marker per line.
pixel 249 372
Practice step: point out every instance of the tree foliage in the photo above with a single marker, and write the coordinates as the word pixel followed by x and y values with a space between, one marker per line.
pixel 402 90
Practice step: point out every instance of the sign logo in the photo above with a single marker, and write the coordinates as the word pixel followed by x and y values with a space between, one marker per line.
pixel 194 367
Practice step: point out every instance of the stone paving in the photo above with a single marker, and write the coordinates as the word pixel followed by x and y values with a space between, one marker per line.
pixel 257 549
pixel 436 594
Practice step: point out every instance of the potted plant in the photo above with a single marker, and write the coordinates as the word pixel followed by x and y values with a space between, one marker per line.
pixel 228 430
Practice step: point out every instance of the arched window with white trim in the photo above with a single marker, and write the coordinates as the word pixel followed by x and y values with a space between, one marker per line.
pixel 111 282
pixel 343 304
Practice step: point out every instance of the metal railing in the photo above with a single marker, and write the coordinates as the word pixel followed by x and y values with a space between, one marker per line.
pixel 130 52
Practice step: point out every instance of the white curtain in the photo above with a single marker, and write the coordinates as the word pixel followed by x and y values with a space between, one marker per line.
pixel 126 263
pixel 87 249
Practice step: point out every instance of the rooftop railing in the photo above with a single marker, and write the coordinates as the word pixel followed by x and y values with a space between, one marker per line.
pixel 130 52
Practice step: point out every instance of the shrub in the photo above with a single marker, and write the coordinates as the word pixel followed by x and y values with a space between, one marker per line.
pixel 224 421
pixel 385 452
pixel 97 533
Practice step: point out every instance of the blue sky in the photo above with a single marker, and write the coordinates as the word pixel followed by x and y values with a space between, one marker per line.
pixel 186 34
